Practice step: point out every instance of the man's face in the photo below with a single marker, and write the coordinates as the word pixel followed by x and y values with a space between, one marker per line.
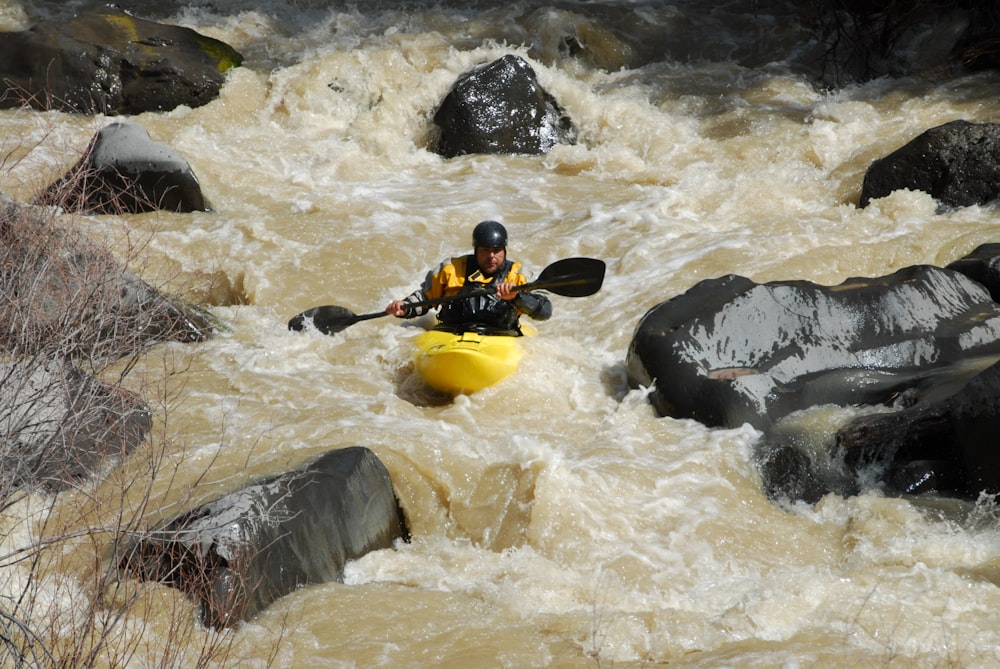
pixel 490 259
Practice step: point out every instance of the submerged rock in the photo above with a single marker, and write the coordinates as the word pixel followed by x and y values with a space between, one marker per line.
pixel 109 62
pixel 610 40
pixel 239 553
pixel 958 163
pixel 125 171
pixel 500 108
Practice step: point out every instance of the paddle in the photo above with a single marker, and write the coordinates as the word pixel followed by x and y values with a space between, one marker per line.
pixel 571 277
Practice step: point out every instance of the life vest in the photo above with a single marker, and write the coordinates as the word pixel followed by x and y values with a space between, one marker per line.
pixel 481 308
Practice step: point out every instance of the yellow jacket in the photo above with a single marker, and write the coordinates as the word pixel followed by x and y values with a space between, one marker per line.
pixel 449 278
pixel 454 276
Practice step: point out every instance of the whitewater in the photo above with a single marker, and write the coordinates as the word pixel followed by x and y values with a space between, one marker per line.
pixel 556 520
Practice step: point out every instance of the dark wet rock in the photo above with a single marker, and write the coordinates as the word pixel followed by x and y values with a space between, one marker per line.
pixel 923 477
pixel 730 351
pixel 976 415
pixel 880 441
pixel 500 108
pixel 958 163
pixel 59 425
pixel 112 63
pixel 239 553
pixel 125 171
pixel 946 446
pixel 788 473
pixel 982 265
pixel 66 297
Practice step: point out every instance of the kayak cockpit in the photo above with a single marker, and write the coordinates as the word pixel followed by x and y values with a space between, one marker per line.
pixel 467 358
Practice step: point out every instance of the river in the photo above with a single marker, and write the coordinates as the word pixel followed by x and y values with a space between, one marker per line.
pixel 556 521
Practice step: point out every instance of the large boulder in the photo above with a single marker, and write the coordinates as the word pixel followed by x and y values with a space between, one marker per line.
pixel 123 171
pixel 59 425
pixel 109 62
pixel 241 552
pixel 67 297
pixel 500 108
pixel 958 163
pixel 730 351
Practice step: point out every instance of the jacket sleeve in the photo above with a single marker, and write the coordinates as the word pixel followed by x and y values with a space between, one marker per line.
pixel 412 298
pixel 535 305
pixel 432 288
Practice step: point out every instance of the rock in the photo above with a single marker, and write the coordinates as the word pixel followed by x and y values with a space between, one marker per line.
pixel 109 62
pixel 124 171
pixel 975 412
pixel 788 473
pixel 59 425
pixel 239 553
pixel 65 297
pixel 730 351
pixel 923 477
pixel 500 108
pixel 945 446
pixel 982 265
pixel 958 163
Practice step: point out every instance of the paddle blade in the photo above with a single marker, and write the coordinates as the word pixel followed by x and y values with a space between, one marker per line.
pixel 329 319
pixel 571 277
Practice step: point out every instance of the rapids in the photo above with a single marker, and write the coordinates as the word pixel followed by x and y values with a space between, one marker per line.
pixel 556 520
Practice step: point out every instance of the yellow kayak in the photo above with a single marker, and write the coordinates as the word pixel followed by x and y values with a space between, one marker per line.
pixel 463 362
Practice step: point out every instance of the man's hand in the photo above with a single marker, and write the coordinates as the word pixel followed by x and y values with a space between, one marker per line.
pixel 505 291
pixel 396 308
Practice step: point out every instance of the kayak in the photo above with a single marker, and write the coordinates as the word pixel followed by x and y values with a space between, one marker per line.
pixel 464 361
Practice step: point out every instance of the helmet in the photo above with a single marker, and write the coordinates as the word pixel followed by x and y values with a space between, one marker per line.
pixel 489 234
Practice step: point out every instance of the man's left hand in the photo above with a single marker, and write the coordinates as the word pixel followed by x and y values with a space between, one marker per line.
pixel 505 291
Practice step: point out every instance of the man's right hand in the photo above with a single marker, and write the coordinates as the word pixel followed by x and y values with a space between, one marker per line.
pixel 396 308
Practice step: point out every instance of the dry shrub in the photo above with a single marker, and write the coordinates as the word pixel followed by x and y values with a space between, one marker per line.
pixel 74 323
pixel 867 39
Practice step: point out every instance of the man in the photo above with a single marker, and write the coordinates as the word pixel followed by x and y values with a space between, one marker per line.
pixel 470 275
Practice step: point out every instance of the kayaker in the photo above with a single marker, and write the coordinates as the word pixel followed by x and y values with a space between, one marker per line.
pixel 471 274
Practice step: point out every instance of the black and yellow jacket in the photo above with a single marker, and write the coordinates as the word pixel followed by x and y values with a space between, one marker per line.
pixel 462 275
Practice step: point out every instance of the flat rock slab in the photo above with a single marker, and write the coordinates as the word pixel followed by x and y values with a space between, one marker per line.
pixel 65 296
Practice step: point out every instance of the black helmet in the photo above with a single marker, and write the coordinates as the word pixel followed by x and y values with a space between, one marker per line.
pixel 489 234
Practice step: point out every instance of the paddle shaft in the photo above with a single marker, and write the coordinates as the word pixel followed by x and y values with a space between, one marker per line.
pixel 434 302
pixel 571 277
pixel 546 284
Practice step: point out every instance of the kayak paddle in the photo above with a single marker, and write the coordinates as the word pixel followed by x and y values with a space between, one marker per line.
pixel 570 277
